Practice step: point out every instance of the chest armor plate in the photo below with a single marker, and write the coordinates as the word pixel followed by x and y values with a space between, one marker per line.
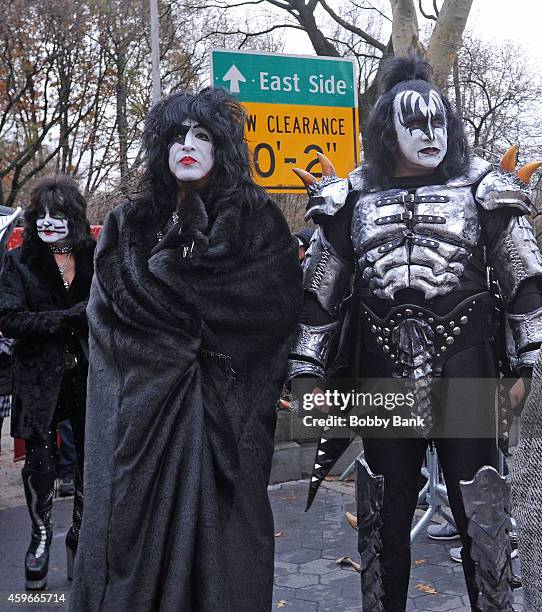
pixel 419 240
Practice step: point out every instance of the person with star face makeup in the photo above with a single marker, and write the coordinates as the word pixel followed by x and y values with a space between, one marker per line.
pixel 191 153
pixel 192 311
pixel 410 237
pixel 44 288
pixel 422 135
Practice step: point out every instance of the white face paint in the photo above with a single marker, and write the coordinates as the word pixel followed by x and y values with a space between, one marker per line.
pixel 420 124
pixel 52 227
pixel 191 155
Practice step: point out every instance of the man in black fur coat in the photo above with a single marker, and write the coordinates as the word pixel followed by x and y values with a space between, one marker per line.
pixel 193 305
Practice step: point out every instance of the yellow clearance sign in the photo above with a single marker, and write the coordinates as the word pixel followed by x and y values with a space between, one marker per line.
pixel 296 107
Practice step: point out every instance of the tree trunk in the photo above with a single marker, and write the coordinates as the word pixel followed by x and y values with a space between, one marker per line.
pixel 447 37
pixel 368 98
pixel 457 88
pixel 405 31
pixel 122 124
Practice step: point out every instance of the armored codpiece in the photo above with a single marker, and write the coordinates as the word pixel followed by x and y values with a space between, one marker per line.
pixel 486 499
pixel 515 256
pixel 370 497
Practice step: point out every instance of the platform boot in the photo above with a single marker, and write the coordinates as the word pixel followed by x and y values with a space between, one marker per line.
pixel 39 491
pixel 72 537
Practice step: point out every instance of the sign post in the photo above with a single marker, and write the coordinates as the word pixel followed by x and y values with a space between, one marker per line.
pixel 296 106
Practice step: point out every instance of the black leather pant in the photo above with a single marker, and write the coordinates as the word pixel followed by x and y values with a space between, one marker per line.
pixel 40 454
pixel 400 462
pixel 40 466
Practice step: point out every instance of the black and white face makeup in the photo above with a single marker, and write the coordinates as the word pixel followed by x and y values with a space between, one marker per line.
pixel 420 124
pixel 191 155
pixel 52 227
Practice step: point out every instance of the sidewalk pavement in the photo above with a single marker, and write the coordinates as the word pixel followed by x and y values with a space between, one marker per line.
pixel 307 578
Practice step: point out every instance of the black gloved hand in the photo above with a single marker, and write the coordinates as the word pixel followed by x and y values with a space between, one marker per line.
pixel 188 233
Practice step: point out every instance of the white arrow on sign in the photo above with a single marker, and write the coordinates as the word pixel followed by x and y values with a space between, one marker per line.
pixel 234 76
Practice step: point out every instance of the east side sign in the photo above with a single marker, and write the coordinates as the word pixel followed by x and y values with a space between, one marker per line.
pixel 297 106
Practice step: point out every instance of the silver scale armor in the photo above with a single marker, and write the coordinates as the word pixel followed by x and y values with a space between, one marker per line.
pixel 420 241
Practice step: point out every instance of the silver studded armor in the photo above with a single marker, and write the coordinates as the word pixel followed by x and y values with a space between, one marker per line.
pixel 327 276
pixel 422 239
pixel 419 240
pixel 514 258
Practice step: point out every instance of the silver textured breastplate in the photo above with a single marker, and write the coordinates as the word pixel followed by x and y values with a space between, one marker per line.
pixel 419 241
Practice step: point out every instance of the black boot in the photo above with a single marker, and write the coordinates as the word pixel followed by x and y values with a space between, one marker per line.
pixel 72 537
pixel 39 491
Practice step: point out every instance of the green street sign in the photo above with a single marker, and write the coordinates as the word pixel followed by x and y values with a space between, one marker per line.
pixel 285 79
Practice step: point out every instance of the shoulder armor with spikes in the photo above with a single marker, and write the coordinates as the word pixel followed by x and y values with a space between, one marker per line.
pixel 327 197
pixel 328 194
pixel 504 187
pixel 331 193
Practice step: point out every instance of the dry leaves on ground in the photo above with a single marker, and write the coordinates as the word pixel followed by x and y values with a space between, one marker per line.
pixel 349 561
pixel 426 588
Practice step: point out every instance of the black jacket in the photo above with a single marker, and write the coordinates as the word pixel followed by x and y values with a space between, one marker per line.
pixel 43 319
pixel 5 366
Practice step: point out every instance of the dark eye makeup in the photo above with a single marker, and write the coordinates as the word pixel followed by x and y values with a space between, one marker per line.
pixel 58 215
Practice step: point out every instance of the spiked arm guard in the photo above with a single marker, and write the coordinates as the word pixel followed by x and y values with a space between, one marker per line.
pixel 514 257
pixel 327 196
pixel 327 276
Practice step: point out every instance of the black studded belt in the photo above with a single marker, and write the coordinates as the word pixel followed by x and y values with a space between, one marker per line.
pixel 473 321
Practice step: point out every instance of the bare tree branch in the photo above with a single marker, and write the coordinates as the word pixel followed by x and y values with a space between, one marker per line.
pixel 426 15
pixel 371 7
pixel 447 37
pixel 405 30
pixel 355 30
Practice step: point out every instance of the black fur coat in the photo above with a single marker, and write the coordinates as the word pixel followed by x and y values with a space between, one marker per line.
pixel 187 358
pixel 42 318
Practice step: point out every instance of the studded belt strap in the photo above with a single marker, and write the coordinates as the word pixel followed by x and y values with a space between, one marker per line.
pixel 404 198
pixel 408 215
pixel 473 321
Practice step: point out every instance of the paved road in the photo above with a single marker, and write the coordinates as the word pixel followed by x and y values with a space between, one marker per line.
pixel 307 579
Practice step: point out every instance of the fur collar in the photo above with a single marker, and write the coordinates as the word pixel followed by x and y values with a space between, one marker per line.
pixel 217 234
pixel 41 262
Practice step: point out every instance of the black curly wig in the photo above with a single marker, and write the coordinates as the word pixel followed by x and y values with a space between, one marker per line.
pixel 401 74
pixel 58 192
pixel 230 179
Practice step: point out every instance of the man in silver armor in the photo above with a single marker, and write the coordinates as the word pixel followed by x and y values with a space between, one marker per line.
pixel 411 235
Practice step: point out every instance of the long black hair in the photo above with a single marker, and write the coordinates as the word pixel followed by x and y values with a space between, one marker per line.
pixel 58 192
pixel 230 180
pixel 400 74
